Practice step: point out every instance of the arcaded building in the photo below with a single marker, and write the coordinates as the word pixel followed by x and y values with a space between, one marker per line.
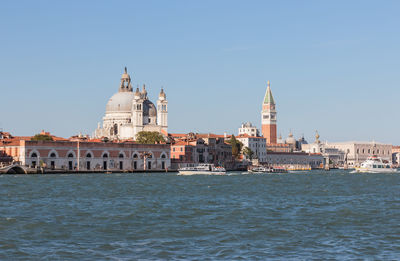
pixel 75 155
pixel 129 112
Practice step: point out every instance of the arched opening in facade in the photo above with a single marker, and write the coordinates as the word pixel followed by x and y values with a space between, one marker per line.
pixel 34 157
pixel 52 161
pixel 105 161
pixel 88 157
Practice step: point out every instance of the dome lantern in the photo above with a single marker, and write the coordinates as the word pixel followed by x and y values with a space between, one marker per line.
pixel 126 85
pixel 162 95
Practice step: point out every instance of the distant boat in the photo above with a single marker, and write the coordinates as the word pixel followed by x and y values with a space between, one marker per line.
pixel 263 169
pixel 205 169
pixel 375 164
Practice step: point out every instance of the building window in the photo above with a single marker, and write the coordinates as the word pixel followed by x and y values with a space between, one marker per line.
pixel 135 156
pixel 121 156
pixel 88 155
pixel 369 151
pixel 181 149
pixel 70 155
pixel 163 156
pixel 121 165
pixel 52 155
pixel 149 165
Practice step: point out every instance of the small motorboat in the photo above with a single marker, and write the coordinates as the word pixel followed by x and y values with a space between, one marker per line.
pixel 205 169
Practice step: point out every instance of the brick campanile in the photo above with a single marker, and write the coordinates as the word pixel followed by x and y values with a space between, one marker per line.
pixel 268 117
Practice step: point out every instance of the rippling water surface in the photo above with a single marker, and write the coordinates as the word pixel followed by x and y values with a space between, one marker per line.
pixel 321 215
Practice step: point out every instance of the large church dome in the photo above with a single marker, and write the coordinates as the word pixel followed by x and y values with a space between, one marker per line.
pixel 120 102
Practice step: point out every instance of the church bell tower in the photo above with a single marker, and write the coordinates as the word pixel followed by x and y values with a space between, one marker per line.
pixel 268 117
pixel 162 111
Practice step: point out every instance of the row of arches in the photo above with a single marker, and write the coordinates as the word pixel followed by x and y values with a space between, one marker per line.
pixel 89 154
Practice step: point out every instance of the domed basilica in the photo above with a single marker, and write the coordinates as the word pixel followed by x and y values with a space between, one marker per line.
pixel 128 113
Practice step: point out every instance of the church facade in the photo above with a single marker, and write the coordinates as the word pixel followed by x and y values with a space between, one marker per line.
pixel 128 113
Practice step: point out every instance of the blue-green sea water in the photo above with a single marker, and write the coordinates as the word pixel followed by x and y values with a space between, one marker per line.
pixel 160 216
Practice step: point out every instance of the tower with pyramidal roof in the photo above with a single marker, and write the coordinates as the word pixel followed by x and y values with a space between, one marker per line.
pixel 268 117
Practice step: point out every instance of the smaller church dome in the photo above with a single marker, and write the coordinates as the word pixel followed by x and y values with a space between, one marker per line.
pixel 149 109
pixel 290 139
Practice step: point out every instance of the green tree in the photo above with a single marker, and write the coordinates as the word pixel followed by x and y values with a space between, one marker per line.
pixel 248 152
pixel 42 137
pixel 236 146
pixel 149 137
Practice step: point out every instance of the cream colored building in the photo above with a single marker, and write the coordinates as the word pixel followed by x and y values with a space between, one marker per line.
pixel 257 144
pixel 249 129
pixel 357 152
pixel 128 113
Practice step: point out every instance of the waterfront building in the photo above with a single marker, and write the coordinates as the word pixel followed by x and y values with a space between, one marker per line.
pixel 192 149
pixel 86 155
pixel 257 144
pixel 278 147
pixel 295 160
pixel 356 152
pixel 332 156
pixel 396 155
pixel 249 129
pixel 268 117
pixel 128 113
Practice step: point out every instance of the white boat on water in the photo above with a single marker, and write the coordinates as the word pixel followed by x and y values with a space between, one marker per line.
pixel 263 169
pixel 375 165
pixel 205 169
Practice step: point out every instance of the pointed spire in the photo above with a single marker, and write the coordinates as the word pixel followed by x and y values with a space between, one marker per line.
pixel 137 93
pixel 144 92
pixel 126 70
pixel 268 99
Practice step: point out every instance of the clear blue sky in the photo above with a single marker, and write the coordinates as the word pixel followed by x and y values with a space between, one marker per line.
pixel 333 65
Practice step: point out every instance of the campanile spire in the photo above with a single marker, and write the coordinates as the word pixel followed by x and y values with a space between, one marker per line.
pixel 268 116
